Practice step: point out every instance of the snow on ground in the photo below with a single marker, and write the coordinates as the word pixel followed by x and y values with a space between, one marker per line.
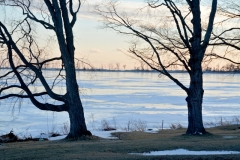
pixel 186 152
pixel 104 134
pixel 56 138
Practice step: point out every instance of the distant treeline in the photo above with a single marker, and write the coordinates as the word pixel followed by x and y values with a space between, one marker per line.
pixel 226 69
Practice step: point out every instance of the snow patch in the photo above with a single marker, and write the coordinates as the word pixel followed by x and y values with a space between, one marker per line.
pixel 56 138
pixel 229 137
pixel 185 152
pixel 104 134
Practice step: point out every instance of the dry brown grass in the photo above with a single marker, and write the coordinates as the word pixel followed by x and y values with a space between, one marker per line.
pixel 219 138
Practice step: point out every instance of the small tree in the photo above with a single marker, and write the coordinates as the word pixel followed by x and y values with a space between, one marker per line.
pixel 21 53
pixel 117 66
pixel 124 66
pixel 169 33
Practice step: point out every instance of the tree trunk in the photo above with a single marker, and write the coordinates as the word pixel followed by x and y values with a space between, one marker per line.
pixel 77 121
pixel 75 109
pixel 195 91
pixel 194 102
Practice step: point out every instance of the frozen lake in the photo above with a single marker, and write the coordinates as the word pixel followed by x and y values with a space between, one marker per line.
pixel 122 97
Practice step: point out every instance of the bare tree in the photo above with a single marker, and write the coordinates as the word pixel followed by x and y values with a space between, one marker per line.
pixel 124 66
pixel 117 66
pixel 110 66
pixel 142 65
pixel 227 36
pixel 20 45
pixel 169 33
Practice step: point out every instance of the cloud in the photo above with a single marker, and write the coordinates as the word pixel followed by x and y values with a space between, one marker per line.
pixel 88 8
pixel 95 51
pixel 122 50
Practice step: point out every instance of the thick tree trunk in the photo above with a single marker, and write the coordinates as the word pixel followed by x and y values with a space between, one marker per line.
pixel 66 44
pixel 194 102
pixel 77 121
pixel 195 123
pixel 75 109
pixel 195 91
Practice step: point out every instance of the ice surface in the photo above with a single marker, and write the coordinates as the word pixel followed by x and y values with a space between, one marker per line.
pixel 122 97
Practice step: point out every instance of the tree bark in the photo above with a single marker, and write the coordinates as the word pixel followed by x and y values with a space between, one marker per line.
pixel 76 114
pixel 194 104
pixel 77 121
pixel 195 91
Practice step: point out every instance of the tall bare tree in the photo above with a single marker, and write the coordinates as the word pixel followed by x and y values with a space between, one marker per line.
pixel 20 50
pixel 169 33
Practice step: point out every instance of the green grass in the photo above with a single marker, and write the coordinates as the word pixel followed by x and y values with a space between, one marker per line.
pixel 129 142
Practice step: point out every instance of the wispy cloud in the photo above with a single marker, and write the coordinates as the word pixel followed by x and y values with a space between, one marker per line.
pixel 122 50
pixel 88 8
pixel 95 51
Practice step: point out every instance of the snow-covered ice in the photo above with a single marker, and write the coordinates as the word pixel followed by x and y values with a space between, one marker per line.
pixel 120 98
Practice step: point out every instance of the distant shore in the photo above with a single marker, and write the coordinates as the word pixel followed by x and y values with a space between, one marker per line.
pixel 141 71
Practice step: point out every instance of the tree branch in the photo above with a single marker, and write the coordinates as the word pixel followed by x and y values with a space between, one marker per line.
pixel 33 68
pixel 74 14
pixel 222 57
pixel 210 25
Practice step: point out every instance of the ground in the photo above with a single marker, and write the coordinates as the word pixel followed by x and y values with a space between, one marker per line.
pixel 219 138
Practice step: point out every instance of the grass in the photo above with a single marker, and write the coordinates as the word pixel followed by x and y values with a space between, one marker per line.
pixel 219 138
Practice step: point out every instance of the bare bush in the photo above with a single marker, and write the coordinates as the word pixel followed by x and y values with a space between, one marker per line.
pixel 136 125
pixel 236 120
pixel 92 121
pixel 140 125
pixel 222 121
pixel 209 123
pixel 65 128
pixel 176 126
pixel 105 126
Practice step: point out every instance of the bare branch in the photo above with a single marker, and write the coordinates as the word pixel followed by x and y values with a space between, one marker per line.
pixel 74 14
pixel 33 68
pixel 210 24
pixel 222 57
pixel 153 4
